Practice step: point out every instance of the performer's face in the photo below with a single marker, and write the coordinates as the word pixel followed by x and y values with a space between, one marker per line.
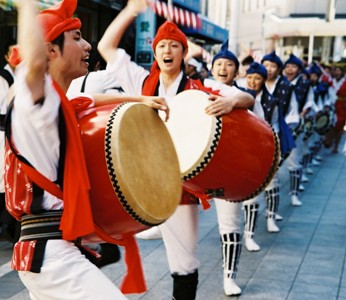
pixel 73 59
pixel 224 70
pixel 291 71
pixel 272 69
pixel 169 55
pixel 314 78
pixel 255 81
pixel 338 73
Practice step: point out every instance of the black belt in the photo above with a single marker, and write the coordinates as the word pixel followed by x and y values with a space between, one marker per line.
pixel 43 226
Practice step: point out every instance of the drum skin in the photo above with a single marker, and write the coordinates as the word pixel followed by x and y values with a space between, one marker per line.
pixel 133 168
pixel 322 122
pixel 240 161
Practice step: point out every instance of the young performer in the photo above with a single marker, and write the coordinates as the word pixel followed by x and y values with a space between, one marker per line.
pixel 166 79
pixel 304 96
pixel 45 135
pixel 224 69
pixel 281 89
pixel 9 226
pixel 338 99
pixel 256 76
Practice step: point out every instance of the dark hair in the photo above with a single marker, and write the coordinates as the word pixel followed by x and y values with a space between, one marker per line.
pixel 59 41
pixel 10 43
pixel 95 57
pixel 248 60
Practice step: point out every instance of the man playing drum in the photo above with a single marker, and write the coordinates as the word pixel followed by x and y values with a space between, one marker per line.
pixel 166 79
pixel 45 132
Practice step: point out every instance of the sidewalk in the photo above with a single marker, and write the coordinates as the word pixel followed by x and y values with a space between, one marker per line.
pixel 305 260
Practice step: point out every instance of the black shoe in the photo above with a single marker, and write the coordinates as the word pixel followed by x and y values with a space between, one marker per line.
pixel 110 253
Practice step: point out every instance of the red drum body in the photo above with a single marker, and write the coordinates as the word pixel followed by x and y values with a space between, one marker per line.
pixel 233 157
pixel 133 168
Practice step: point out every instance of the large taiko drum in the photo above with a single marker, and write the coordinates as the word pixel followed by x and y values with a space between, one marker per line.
pixel 232 157
pixel 133 168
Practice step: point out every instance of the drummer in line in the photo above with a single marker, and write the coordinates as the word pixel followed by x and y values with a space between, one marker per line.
pixel 304 100
pixel 225 66
pixel 166 79
pixel 54 53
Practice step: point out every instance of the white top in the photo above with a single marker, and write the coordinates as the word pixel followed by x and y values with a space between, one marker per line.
pixel 292 115
pixel 4 90
pixel 35 131
pixel 102 82
pixel 310 102
pixel 131 76
pixel 335 88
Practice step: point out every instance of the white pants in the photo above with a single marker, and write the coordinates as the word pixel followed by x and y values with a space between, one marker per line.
pixel 180 235
pixel 66 274
pixel 229 216
pixel 293 160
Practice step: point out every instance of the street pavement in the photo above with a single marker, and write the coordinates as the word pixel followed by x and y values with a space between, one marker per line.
pixel 304 261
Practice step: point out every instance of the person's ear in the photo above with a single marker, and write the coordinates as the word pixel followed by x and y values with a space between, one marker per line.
pixel 51 50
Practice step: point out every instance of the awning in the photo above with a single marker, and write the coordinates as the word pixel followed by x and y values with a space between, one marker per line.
pixel 9 4
pixel 192 5
pixel 276 27
pixel 209 31
pixel 193 23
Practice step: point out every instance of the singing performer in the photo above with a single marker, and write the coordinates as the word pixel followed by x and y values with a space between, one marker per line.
pixel 167 78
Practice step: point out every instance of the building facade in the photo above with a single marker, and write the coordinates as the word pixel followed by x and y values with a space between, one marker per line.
pixel 311 29
pixel 96 15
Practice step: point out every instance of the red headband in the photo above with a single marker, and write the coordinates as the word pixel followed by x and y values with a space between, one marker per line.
pixel 58 19
pixel 170 31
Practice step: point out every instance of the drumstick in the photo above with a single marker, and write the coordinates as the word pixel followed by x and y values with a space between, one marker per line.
pixel 177 15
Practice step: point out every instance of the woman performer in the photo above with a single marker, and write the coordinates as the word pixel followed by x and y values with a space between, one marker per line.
pixel 281 89
pixel 339 99
pixel 166 79
pixel 225 66
pixel 256 76
pixel 304 101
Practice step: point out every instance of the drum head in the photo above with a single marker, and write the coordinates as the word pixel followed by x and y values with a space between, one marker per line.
pixel 322 121
pixel 142 163
pixel 192 136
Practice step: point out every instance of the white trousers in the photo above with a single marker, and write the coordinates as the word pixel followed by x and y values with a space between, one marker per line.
pixel 67 275
pixel 229 216
pixel 293 160
pixel 180 236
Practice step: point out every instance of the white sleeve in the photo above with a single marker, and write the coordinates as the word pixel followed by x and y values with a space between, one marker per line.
pixel 258 110
pixel 275 119
pixel 225 90
pixel 127 73
pixel 310 102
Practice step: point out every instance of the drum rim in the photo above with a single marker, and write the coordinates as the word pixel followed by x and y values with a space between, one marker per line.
pixel 273 169
pixel 209 153
pixel 322 129
pixel 113 174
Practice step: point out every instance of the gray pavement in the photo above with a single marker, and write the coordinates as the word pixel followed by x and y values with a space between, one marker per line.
pixel 304 261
